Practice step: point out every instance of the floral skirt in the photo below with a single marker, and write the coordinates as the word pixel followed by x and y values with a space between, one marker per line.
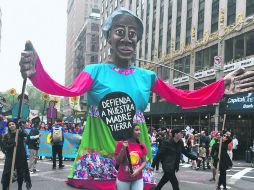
pixel 94 165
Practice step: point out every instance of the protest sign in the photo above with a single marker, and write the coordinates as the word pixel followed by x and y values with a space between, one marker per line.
pixel 117 110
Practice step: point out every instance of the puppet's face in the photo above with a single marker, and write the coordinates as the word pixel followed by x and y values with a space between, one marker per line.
pixel 123 37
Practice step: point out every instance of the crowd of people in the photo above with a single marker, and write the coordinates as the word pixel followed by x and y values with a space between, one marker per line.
pixel 26 161
pixel 69 127
pixel 201 147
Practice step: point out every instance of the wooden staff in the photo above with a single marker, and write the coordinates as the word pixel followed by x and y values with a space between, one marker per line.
pixel 218 164
pixel 17 132
pixel 129 160
pixel 28 47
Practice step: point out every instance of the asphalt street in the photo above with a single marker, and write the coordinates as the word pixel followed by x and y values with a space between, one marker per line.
pixel 240 177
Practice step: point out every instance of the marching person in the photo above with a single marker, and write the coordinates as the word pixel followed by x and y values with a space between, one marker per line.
pixel 225 161
pixel 235 147
pixel 57 141
pixel 122 30
pixel 21 165
pixel 169 154
pixel 137 150
pixel 33 141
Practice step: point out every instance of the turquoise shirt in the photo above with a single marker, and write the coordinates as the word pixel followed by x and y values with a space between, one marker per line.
pixel 134 81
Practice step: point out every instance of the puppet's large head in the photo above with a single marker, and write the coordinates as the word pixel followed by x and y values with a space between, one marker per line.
pixel 123 29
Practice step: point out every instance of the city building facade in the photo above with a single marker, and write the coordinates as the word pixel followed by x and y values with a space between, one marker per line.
pixel 82 19
pixel 78 11
pixel 87 48
pixel 205 39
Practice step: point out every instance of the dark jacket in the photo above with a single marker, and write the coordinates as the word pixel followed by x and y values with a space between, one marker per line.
pixel 170 154
pixel 225 161
pixel 33 143
pixel 21 164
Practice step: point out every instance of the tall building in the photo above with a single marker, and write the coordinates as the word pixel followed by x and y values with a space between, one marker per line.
pixel 194 36
pixel 78 11
pixel 86 48
pixel 82 39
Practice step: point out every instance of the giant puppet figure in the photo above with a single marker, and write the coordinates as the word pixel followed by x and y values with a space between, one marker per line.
pixel 93 166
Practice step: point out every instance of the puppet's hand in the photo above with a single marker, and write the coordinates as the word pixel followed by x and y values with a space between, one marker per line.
pixel 28 60
pixel 239 81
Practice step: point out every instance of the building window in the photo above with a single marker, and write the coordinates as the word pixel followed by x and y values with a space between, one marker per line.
pixel 215 16
pixel 147 29
pixel 146 48
pixel 142 9
pixel 94 27
pixel 94 59
pixel 188 22
pixel 153 27
pixel 102 9
pixel 249 43
pixel 183 65
pixel 178 24
pixel 201 15
pixel 229 49
pixel 162 72
pixel 239 47
pixel 249 7
pixel 161 27
pixel 116 3
pixel 184 87
pixel 169 26
pixel 231 12
pixel 205 58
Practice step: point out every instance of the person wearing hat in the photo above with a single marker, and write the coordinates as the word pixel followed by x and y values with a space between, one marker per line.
pixel 169 155
pixel 33 142
pixel 21 165
pixel 122 30
pixel 224 160
pixel 15 109
pixel 51 113
pixel 25 109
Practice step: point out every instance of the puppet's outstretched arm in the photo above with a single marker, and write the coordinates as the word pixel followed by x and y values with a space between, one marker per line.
pixel 45 83
pixel 209 94
pixel 31 67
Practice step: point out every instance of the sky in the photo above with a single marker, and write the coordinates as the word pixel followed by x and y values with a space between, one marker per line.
pixel 43 22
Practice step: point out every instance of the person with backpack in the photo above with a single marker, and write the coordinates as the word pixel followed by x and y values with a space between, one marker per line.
pixel 33 142
pixel 57 140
